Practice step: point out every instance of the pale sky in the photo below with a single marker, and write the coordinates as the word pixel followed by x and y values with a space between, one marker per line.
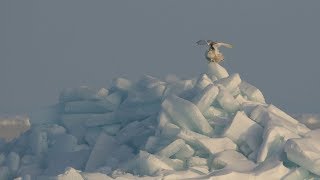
pixel 46 46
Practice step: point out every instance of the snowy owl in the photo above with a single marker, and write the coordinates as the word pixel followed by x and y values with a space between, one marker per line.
pixel 213 54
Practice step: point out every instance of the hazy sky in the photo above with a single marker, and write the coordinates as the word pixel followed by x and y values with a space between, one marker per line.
pixel 46 46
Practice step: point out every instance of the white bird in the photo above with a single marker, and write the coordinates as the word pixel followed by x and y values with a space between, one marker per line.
pixel 213 54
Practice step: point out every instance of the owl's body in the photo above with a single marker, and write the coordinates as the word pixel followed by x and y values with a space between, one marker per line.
pixel 213 54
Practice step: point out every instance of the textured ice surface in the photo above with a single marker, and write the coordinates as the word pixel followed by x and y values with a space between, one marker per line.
pixel 212 126
pixel 202 82
pixel 305 152
pixel 147 164
pixel 216 145
pixel 231 83
pixel 205 99
pixel 186 114
pixel 172 148
pixel 214 69
pixel 232 160
pixel 101 151
pixel 227 101
pixel 251 92
pixel 274 139
pixel 244 131
pixel 79 94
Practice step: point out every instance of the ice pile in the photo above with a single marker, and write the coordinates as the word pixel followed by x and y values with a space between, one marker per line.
pixel 215 126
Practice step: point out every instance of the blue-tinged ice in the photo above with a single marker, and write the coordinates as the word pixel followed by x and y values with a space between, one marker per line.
pixel 205 99
pixel 186 114
pixel 215 69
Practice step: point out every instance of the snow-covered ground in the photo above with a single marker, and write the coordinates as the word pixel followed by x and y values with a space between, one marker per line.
pixel 214 126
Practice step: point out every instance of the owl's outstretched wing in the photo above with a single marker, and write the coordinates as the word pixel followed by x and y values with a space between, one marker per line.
pixel 219 44
pixel 202 42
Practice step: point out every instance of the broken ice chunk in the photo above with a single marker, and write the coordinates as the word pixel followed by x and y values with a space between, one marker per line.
pixel 191 137
pixel 244 130
pixel 179 87
pixel 176 164
pixel 11 128
pixel 154 144
pixel 76 123
pixel 38 142
pixel 121 84
pixel 78 94
pixel 196 161
pixel 185 152
pixel 91 136
pixel 57 161
pixel 122 154
pixel 64 142
pixel 103 92
pixel 202 82
pixel 147 90
pixel 305 152
pixel 53 130
pixel 214 69
pixel 227 101
pixel 253 110
pixel 241 100
pixel 251 92
pixel 101 151
pixel 129 113
pixel 258 114
pixel 102 106
pixel 152 87
pixel 111 129
pixel 170 130
pixel 230 83
pixel 200 169
pixel 245 150
pixel 69 173
pixel 13 161
pixel 172 148
pixel 113 100
pixel 186 115
pixel 279 112
pixel 266 118
pixel 137 132
pixel 148 81
pixel 274 138
pixel 216 145
pixel 205 99
pixel 4 173
pixel 213 112
pixel 100 120
pixel 270 169
pixel 2 159
pixel 95 176
pixel 232 160
pixel 147 164
pixel 163 118
pixel 172 175
pixel 297 174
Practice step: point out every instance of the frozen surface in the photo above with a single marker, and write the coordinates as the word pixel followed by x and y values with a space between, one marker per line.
pixel 213 126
